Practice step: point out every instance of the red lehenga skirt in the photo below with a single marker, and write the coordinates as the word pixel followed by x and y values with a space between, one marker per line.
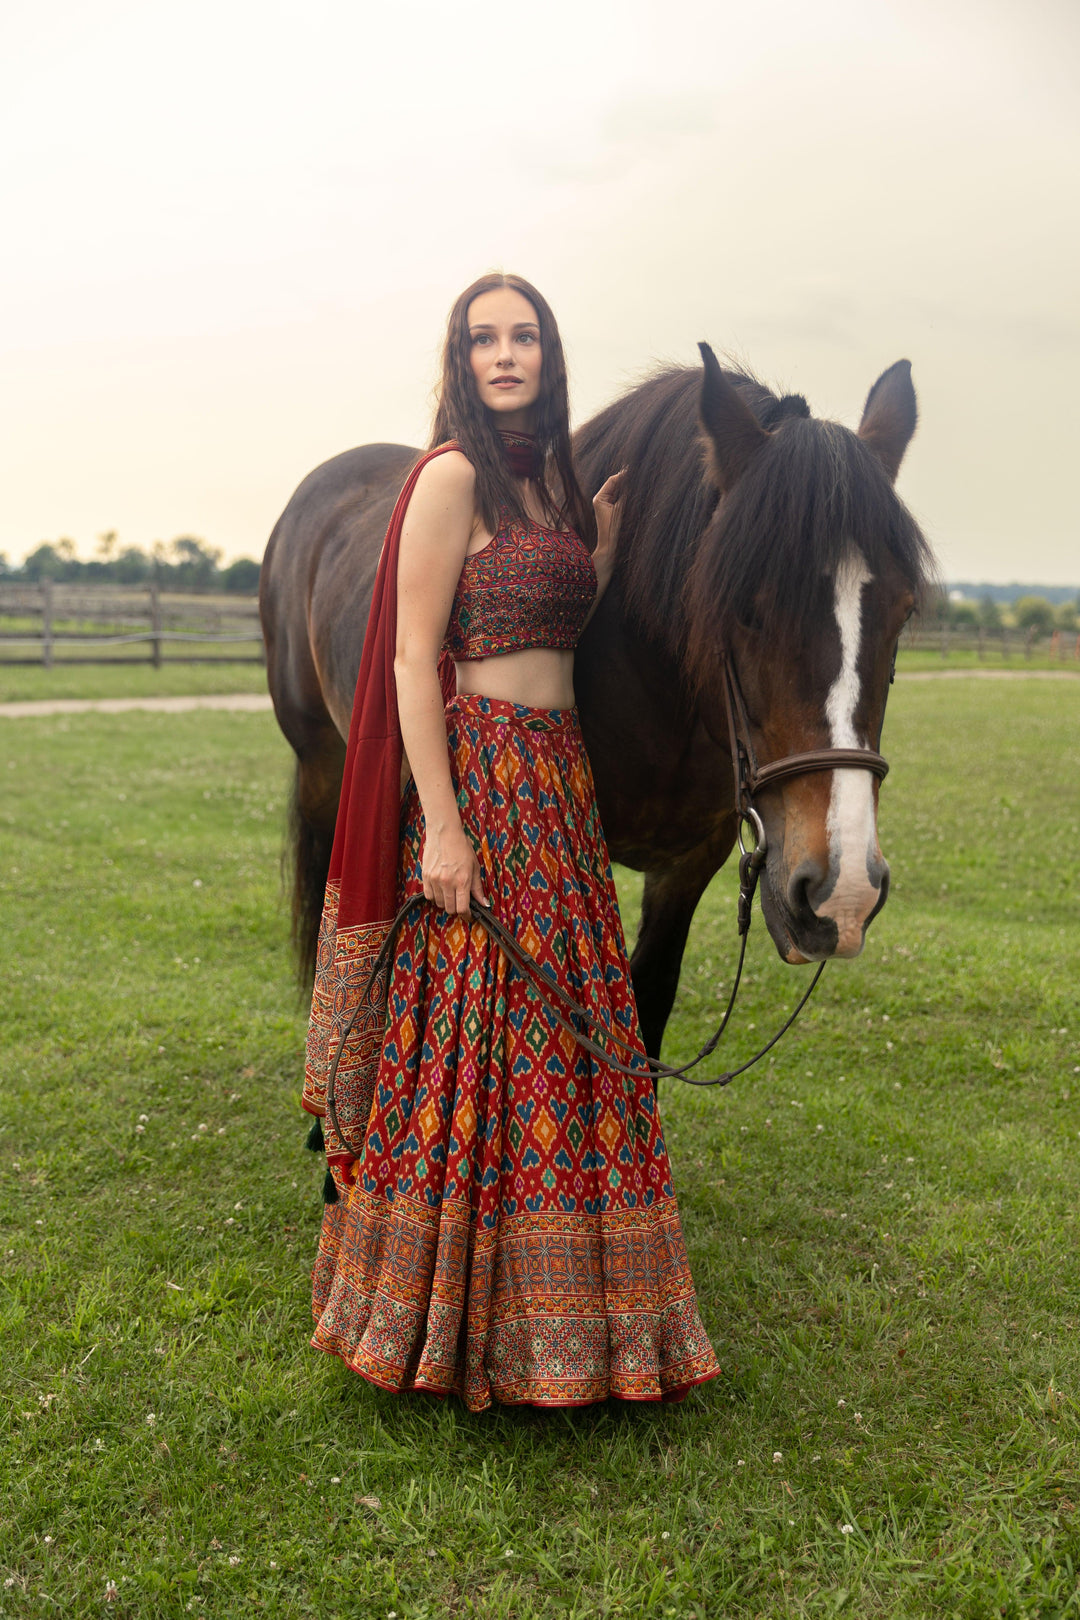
pixel 512 1232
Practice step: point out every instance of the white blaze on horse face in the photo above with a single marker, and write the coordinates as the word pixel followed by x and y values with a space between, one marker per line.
pixel 851 824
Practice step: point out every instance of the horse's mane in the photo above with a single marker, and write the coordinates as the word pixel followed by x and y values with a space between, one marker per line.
pixel 807 498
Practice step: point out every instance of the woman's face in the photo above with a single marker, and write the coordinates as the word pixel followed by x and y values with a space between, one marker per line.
pixel 504 337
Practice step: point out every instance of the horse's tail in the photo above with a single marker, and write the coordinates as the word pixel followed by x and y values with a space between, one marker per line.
pixel 305 864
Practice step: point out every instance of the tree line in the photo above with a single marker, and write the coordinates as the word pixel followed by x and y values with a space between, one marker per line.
pixel 184 564
pixel 1027 612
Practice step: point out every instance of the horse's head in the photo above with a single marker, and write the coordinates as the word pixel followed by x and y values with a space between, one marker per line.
pixel 803 580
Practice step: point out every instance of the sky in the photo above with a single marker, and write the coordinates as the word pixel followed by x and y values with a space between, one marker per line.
pixel 234 231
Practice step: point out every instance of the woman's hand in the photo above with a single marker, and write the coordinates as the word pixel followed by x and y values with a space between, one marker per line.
pixel 451 871
pixel 606 506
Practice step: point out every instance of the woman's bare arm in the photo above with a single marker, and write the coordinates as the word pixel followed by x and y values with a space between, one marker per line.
pixel 434 540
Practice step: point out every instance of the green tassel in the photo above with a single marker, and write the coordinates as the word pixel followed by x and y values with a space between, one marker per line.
pixel 329 1189
pixel 315 1137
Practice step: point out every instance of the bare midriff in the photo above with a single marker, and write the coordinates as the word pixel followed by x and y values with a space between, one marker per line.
pixel 541 677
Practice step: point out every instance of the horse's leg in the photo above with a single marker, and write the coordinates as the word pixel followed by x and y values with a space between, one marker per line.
pixel 667 909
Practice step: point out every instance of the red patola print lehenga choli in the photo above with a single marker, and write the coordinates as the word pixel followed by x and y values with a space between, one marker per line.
pixel 505 1226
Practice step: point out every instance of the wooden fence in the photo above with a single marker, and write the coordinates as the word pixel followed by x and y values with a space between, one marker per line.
pixel 1000 645
pixel 51 624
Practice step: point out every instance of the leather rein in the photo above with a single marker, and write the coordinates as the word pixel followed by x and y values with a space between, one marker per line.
pixel 584 1027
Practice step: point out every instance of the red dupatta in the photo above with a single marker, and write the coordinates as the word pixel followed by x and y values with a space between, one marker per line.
pixel 360 900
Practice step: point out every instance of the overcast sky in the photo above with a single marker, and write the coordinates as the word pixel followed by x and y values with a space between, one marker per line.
pixel 233 231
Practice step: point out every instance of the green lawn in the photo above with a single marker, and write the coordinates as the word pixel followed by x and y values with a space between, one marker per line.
pixel 28 681
pixel 882 1226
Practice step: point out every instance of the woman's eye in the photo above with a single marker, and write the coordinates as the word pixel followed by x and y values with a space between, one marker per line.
pixel 482 337
pixel 526 337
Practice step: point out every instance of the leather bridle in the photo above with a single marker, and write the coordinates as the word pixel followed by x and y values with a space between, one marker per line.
pixel 583 1026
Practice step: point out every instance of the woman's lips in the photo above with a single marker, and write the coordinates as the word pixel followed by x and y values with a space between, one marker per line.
pixel 506 382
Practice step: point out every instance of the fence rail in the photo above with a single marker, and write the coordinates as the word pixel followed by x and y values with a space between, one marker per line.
pixel 59 619
pixel 998 645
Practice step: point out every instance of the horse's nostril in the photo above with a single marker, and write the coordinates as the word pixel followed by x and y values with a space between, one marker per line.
pixel 803 885
pixel 879 876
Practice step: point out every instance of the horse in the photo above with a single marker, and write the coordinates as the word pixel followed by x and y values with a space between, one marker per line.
pixel 760 550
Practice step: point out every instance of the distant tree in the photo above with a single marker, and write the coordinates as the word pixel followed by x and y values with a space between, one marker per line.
pixel 6 570
pixel 963 615
pixel 989 613
pixel 1066 616
pixel 131 567
pixel 241 577
pixel 44 562
pixel 195 566
pixel 1034 613
pixel 106 545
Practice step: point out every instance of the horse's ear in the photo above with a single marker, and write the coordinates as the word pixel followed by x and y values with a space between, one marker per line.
pixel 889 416
pixel 733 433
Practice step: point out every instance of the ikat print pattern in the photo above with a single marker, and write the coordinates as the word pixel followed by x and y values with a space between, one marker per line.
pixel 512 1232
pixel 529 587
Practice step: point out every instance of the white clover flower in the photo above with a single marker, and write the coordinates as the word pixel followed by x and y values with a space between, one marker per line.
pixel 858 1417
pixel 778 1456
pixel 151 1419
pixel 233 1559
pixel 139 1130
pixel 48 1541
pixel 273 1563
pixel 335 1479
pixel 847 1529
pixel 112 1592
pixel 144 1119
pixel 741 1463
pixel 841 1401
pixel 665 1535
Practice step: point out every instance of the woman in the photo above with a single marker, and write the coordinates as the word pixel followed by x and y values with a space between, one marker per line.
pixel 504 1225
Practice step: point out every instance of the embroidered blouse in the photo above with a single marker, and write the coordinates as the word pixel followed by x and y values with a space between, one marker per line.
pixel 528 587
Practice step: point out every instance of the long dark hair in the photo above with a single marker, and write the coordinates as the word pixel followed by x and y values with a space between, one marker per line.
pixel 461 415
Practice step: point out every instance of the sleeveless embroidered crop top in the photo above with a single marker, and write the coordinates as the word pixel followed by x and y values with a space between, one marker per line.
pixel 528 587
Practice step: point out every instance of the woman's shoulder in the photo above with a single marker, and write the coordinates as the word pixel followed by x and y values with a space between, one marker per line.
pixel 449 473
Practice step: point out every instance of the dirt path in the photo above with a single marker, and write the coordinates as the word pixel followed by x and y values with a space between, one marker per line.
pixel 988 675
pixel 249 702
pixel 257 702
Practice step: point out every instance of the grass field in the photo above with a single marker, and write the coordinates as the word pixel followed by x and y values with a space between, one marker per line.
pixel 22 682
pixel 882 1227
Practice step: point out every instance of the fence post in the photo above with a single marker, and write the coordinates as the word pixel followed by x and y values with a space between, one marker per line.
pixel 1029 640
pixel 944 641
pixel 979 639
pixel 1005 643
pixel 155 626
pixel 47 623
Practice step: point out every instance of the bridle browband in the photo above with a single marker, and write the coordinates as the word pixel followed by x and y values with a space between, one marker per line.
pixel 584 1028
